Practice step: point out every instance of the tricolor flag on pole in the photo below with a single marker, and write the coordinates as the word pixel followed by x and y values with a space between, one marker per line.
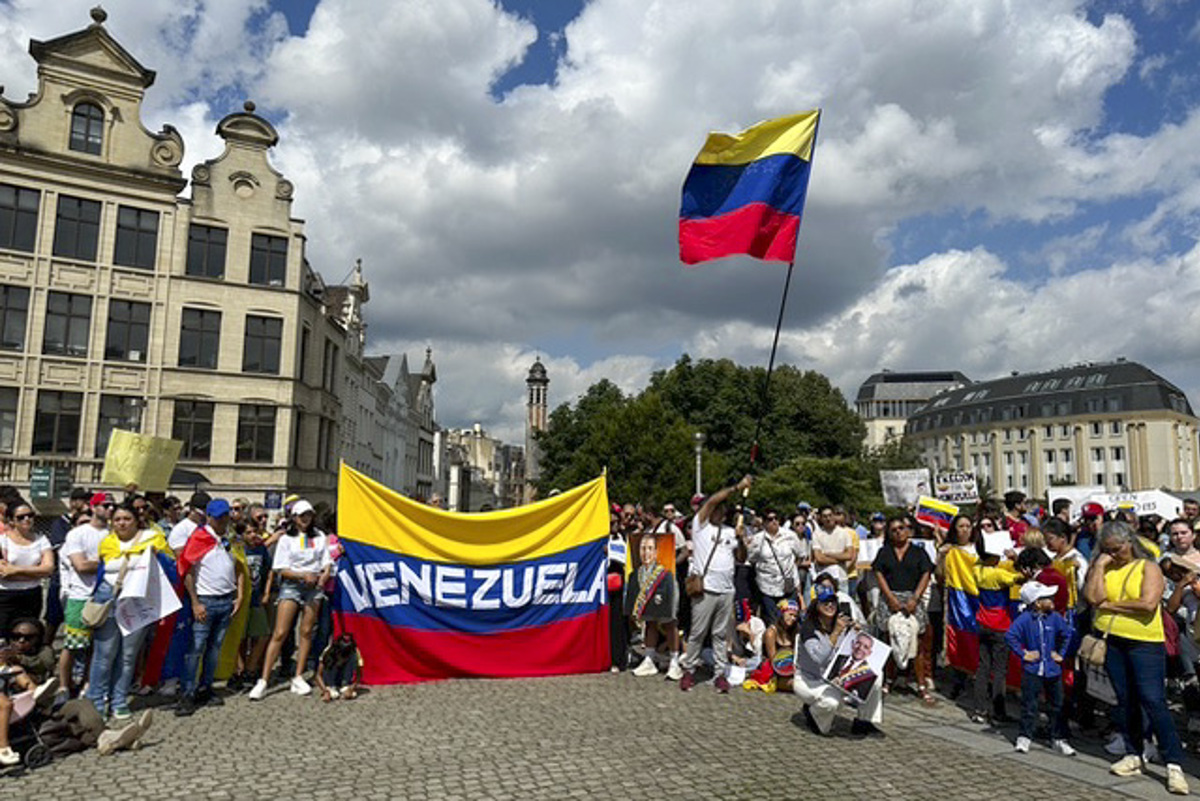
pixel 745 193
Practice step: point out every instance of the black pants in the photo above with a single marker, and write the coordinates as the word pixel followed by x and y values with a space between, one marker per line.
pixel 1031 687
pixel 17 604
pixel 993 665
pixel 618 629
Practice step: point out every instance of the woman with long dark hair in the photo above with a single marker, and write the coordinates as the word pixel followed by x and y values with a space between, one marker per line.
pixel 904 571
pixel 25 559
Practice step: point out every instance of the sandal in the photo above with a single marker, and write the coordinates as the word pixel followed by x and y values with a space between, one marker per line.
pixel 926 698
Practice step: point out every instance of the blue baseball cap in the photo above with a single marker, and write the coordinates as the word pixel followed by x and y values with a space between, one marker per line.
pixel 826 593
pixel 217 507
pixel 803 507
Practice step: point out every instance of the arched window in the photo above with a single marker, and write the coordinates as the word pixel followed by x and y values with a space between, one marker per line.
pixel 87 128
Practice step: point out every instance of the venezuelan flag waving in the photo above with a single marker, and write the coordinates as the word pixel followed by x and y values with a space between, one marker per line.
pixel 745 193
pixel 430 594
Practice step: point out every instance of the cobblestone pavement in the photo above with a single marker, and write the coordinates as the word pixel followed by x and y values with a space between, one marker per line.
pixel 570 737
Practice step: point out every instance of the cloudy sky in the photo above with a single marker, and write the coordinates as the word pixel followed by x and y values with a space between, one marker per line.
pixel 999 184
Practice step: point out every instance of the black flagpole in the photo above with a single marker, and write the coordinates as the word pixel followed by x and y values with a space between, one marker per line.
pixel 765 404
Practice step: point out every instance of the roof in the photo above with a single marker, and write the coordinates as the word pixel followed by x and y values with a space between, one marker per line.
pixel 537 373
pixel 1105 388
pixel 917 386
pixel 120 62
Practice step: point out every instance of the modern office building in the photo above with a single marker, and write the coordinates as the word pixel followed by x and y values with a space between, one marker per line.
pixel 1117 424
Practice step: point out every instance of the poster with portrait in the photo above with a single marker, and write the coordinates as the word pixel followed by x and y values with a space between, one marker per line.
pixel 902 487
pixel 857 663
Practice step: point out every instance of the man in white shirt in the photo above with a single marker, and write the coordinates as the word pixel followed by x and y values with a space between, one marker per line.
pixel 833 547
pixel 180 532
pixel 215 589
pixel 716 548
pixel 79 559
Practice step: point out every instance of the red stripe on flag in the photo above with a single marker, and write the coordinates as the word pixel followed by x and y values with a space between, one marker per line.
pixel 753 230
pixel 394 655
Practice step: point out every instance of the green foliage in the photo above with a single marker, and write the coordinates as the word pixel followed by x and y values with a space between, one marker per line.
pixel 810 442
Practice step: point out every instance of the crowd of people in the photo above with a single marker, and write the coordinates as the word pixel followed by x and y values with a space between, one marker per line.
pixel 1088 615
pixel 243 577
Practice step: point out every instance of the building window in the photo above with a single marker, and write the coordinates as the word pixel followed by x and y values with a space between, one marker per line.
pixel 256 433
pixel 1049 457
pixel 206 251
pixel 1097 429
pixel 199 339
pixel 1064 431
pixel 68 321
pixel 14 311
pixel 1119 479
pixel 128 331
pixel 1008 435
pixel 193 426
pixel 1023 458
pixel 117 411
pixel 1118 453
pixel 297 436
pixel 305 337
pixel 76 228
pixel 8 418
pixel 1049 432
pixel 56 423
pixel 329 366
pixel 1099 479
pixel 137 238
pixel 87 128
pixel 1097 454
pixel 18 217
pixel 1115 427
pixel 1066 456
pixel 264 338
pixel 1008 458
pixel 268 260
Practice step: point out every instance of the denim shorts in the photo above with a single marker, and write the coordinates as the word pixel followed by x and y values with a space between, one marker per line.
pixel 301 593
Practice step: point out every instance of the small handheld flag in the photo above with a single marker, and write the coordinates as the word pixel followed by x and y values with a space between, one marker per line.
pixel 745 192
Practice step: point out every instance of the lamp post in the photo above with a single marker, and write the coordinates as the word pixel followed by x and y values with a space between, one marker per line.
pixel 699 450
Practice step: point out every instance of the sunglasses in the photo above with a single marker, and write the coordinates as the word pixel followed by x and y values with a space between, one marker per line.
pixel 236 508
pixel 772 517
pixel 260 518
pixel 24 637
pixel 26 516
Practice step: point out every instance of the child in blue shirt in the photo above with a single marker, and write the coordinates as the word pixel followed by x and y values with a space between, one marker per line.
pixel 1038 637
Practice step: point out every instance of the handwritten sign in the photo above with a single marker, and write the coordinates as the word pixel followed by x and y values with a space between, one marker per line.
pixel 956 488
pixel 146 596
pixel 140 459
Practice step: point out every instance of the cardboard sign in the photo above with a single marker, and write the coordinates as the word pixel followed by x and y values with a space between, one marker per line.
pixel 146 595
pixel 903 487
pixel 141 460
pixel 956 488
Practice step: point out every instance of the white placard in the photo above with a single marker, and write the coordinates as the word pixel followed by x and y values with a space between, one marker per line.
pixel 903 487
pixel 868 549
pixel 997 542
pixel 146 596
pixel 956 488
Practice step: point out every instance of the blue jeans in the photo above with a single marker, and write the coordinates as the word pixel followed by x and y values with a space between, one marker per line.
pixel 1031 687
pixel 1138 671
pixel 206 641
pixel 114 659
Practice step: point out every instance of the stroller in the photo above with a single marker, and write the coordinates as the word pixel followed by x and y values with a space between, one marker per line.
pixel 23 731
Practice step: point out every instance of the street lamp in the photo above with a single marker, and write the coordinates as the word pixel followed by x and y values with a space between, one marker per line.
pixel 699 449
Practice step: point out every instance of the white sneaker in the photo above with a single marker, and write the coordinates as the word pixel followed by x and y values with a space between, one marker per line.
pixel 334 692
pixel 258 690
pixel 9 757
pixel 1115 745
pixel 300 686
pixel 675 670
pixel 1150 753
pixel 646 668
pixel 1062 747
pixel 1022 746
pixel 1176 781
pixel 1129 765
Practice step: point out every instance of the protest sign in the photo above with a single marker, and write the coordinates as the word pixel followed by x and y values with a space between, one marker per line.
pixel 857 664
pixel 868 549
pixel 1143 502
pixel 139 459
pixel 997 542
pixel 903 487
pixel 956 488
pixel 933 512
pixel 146 595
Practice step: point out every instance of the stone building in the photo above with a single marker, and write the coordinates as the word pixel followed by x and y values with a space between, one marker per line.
pixel 537 385
pixel 887 399
pixel 494 471
pixel 1118 425
pixel 126 304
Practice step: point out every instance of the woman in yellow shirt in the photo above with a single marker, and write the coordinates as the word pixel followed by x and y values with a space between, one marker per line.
pixel 1125 588
pixel 114 655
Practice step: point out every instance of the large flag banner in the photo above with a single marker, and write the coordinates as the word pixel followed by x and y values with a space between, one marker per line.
pixel 962 602
pixel 430 594
pixel 745 192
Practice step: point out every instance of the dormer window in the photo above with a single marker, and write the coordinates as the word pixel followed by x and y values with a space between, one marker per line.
pixel 87 128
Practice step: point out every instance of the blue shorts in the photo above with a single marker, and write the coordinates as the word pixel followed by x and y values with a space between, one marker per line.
pixel 301 593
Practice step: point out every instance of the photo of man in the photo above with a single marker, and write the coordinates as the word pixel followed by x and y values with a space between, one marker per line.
pixel 855 668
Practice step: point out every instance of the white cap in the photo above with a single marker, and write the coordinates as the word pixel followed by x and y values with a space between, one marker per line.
pixel 1034 590
pixel 300 507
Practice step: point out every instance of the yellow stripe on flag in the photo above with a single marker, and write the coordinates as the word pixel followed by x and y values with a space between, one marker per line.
pixel 959 567
pixel 794 135
pixel 370 513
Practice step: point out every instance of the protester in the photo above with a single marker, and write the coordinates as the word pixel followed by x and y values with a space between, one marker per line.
pixel 903 571
pixel 25 559
pixel 716 548
pixel 303 563
pixel 1126 588
pixel 340 669
pixel 618 555
pixel 28 665
pixel 1039 637
pixel 777 557
pixel 833 547
pixel 178 536
pixel 994 579
pixel 80 560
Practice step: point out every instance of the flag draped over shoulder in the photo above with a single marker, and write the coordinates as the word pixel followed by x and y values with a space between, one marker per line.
pixel 962 603
pixel 745 192
pixel 431 594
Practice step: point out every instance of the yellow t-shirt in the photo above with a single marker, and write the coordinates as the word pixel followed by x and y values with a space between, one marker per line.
pixel 113 551
pixel 1142 626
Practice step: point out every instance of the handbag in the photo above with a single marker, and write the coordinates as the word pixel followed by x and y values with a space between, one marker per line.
pixel 95 613
pixel 1099 685
pixel 1092 649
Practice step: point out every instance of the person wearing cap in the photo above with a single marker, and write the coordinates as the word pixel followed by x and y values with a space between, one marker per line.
pixel 816 649
pixel 1183 602
pixel 1039 637
pixel 1091 517
pixel 303 564
pixel 180 532
pixel 215 589
pixel 79 560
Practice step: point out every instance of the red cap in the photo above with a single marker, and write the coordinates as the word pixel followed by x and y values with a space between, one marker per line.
pixel 101 498
pixel 1092 509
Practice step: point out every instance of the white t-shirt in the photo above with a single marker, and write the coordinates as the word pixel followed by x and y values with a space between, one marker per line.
pixel 215 574
pixel 180 533
pixel 311 558
pixel 22 556
pixel 720 573
pixel 768 554
pixel 831 542
pixel 665 528
pixel 85 541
